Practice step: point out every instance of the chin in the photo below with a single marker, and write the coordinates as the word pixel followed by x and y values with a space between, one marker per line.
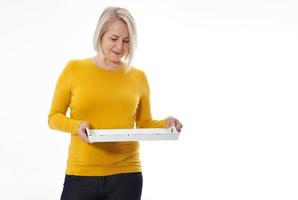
pixel 115 60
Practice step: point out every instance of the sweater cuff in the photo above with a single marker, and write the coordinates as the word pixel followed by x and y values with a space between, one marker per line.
pixel 163 123
pixel 75 126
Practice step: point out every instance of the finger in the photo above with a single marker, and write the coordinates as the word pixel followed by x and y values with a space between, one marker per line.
pixel 178 130
pixel 170 125
pixel 178 126
pixel 86 139
pixel 83 136
pixel 84 125
pixel 173 121
pixel 170 122
pixel 177 121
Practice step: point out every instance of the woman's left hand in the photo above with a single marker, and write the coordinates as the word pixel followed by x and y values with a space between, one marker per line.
pixel 172 121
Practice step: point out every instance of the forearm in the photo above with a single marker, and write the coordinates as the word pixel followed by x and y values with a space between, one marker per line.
pixel 58 121
pixel 151 123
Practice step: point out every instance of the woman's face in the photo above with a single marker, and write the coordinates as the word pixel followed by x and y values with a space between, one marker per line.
pixel 115 42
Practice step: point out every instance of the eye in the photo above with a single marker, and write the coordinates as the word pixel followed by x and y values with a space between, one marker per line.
pixel 126 41
pixel 113 39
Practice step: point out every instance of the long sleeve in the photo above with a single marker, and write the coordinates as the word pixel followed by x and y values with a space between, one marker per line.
pixel 106 99
pixel 144 117
pixel 57 118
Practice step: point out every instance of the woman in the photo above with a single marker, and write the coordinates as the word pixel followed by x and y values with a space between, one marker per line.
pixel 103 92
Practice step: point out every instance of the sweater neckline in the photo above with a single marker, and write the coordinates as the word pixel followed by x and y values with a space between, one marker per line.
pixel 116 71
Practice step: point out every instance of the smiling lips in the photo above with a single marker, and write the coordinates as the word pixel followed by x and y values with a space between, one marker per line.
pixel 117 53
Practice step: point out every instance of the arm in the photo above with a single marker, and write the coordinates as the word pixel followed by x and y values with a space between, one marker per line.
pixel 144 117
pixel 57 116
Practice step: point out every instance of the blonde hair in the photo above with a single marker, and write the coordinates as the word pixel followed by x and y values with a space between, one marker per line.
pixel 109 16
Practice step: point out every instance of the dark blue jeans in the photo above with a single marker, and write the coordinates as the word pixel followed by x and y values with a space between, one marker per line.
pixel 126 186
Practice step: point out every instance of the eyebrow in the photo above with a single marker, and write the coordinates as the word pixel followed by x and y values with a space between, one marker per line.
pixel 119 37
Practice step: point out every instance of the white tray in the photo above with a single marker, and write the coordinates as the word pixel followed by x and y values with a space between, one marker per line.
pixel 139 134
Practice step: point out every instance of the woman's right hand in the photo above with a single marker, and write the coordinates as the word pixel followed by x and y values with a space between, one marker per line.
pixel 83 132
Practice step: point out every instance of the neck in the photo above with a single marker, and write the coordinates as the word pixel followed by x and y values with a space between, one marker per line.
pixel 101 61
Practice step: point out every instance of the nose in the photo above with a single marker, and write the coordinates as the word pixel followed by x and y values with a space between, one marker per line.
pixel 120 45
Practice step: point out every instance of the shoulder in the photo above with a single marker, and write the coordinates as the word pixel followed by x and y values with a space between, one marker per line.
pixel 76 65
pixel 77 62
pixel 137 72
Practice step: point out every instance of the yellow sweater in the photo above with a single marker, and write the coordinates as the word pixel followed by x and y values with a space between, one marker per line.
pixel 107 100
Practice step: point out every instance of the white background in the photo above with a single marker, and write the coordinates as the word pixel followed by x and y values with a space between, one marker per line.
pixel 227 69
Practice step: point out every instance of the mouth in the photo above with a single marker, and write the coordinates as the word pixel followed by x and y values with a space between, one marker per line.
pixel 117 53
